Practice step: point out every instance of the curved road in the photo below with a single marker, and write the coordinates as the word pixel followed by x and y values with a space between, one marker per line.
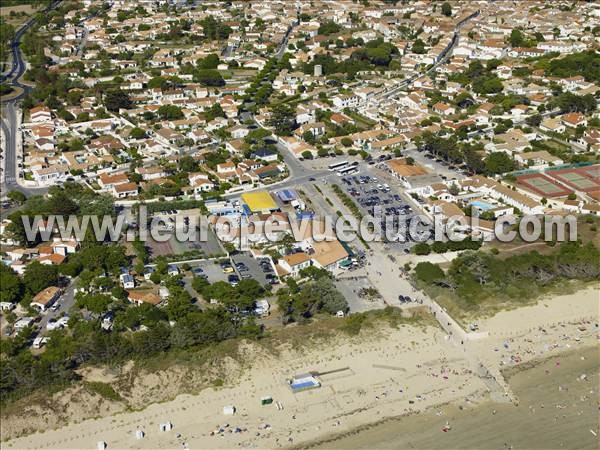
pixel 10 111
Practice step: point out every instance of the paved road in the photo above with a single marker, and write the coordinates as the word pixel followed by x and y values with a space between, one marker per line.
pixel 9 153
pixel 18 65
pixel 388 93
pixel 299 174
pixel 10 111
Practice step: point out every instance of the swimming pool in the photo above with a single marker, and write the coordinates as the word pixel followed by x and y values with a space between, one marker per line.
pixel 482 205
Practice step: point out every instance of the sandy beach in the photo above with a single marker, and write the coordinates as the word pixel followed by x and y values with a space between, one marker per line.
pixel 557 409
pixel 375 376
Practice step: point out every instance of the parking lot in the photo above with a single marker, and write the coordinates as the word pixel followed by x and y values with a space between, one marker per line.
pixel 372 195
pixel 210 270
pixel 248 267
pixel 240 266
pixel 437 165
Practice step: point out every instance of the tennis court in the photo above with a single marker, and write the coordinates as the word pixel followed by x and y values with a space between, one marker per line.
pixel 542 185
pixel 583 179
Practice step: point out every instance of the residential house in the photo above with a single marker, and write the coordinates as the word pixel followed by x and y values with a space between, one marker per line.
pixel 538 160
pixel 139 297
pixel 200 182
pixel 108 181
pixel 127 281
pixel 553 125
pixel 294 263
pixel 443 109
pixel 125 190
pixel 50 174
pixel 40 114
pixel 573 120
pixel 44 299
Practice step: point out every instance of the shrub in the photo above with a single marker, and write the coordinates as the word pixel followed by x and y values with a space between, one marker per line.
pixel 421 249
pixel 104 390
pixel 428 272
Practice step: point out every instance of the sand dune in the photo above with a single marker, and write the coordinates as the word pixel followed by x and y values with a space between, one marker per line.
pixel 377 376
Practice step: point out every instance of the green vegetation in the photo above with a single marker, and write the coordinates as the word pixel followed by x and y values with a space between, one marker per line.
pixel 498 162
pixel 429 272
pixel 329 27
pixel 446 9
pixel 481 79
pixel 208 77
pixel 300 303
pixel 450 149
pixel 170 112
pixel 72 198
pixel 11 287
pixel 239 298
pixel 374 55
pixel 586 64
pixel 5 89
pixel 422 248
pixel 23 373
pixel 260 90
pixel 283 119
pixel 518 39
pixel 214 29
pixel 117 99
pixel 475 279
pixel 418 47
pixel 394 317
pixel 347 201
pixel 569 102
pixel 103 389
pixel 7 33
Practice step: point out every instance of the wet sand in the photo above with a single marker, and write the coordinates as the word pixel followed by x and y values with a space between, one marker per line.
pixel 556 410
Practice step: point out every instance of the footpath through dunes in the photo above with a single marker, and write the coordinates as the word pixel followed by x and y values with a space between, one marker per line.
pixel 559 398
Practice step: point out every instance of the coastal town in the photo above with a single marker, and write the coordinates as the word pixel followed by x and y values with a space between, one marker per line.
pixel 472 118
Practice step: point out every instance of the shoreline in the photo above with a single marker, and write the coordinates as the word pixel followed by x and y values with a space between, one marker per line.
pixel 383 426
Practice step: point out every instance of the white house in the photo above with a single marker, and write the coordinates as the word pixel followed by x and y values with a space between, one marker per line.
pixel 46 298
pixel 295 262
pixel 127 281
pixel 40 114
pixel 50 174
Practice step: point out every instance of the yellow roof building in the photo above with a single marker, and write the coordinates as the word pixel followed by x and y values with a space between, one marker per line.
pixel 259 201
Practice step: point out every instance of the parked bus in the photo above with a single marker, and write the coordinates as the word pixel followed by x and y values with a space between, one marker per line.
pixel 337 166
pixel 350 170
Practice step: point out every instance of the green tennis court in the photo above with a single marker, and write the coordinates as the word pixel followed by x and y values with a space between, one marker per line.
pixel 542 185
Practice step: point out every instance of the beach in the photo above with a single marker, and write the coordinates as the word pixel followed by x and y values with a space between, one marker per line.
pixel 556 410
pixel 376 377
